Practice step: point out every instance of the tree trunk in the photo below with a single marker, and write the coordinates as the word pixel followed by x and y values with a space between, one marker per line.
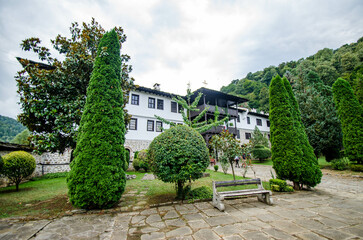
pixel 179 190
pixel 234 177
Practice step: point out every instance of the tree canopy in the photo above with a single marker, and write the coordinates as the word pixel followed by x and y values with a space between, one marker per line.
pixel 53 95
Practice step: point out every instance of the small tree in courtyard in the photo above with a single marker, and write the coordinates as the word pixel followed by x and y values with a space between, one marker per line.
pixel 97 177
pixel 258 138
pixel 351 117
pixel 227 146
pixel 179 155
pixel 17 166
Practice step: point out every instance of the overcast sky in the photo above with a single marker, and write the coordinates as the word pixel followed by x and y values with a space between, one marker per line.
pixel 176 42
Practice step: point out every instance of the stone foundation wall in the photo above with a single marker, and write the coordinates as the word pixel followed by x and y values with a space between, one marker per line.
pixel 136 145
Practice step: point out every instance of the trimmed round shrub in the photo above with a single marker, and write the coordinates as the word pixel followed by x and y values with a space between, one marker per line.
pixel 261 152
pixel 17 166
pixel 178 155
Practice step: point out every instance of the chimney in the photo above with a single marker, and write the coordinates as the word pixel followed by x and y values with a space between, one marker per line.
pixel 157 86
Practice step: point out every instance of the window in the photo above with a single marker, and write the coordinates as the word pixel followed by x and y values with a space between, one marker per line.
pixel 248 135
pixel 248 120
pixel 173 107
pixel 238 119
pixel 151 102
pixel 150 125
pixel 238 135
pixel 160 104
pixel 259 122
pixel 268 123
pixel 133 124
pixel 134 99
pixel 159 126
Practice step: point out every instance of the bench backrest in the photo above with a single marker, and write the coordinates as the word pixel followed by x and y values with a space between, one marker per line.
pixel 238 183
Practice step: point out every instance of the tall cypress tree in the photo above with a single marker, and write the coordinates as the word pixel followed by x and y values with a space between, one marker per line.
pixel 97 177
pixel 286 153
pixel 293 157
pixel 351 117
pixel 311 173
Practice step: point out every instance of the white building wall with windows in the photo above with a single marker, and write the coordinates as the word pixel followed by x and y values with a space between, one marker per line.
pixel 143 107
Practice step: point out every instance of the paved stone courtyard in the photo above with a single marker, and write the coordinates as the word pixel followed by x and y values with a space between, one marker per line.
pixel 333 210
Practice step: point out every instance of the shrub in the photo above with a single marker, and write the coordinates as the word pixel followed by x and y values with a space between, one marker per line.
pixel 17 166
pixel 350 114
pixel 97 177
pixel 1 165
pixel 179 155
pixel 261 152
pixel 216 167
pixel 143 160
pixel 340 164
pixel 278 185
pixel 356 167
pixel 51 176
pixel 136 164
pixel 135 154
pixel 200 193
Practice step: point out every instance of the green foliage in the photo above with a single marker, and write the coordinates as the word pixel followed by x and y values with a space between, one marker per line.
pixel 293 157
pixel 203 192
pixel 329 64
pixel 53 96
pixel 216 167
pixel 179 155
pixel 135 154
pixel 356 167
pixel 141 162
pixel 279 185
pixel 318 115
pixel 340 164
pixel 261 152
pixel 258 138
pixel 17 166
pixel 51 176
pixel 227 147
pixel 22 138
pixel 351 117
pixel 196 123
pixel 97 177
pixel 9 128
pixel 1 164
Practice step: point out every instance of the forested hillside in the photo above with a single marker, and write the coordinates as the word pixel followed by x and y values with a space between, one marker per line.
pixel 328 64
pixel 9 128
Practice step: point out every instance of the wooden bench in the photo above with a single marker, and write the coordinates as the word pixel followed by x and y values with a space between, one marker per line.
pixel 218 197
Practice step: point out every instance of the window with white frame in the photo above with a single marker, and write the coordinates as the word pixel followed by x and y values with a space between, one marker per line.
pixel 174 107
pixel 159 126
pixel 151 103
pixel 133 124
pixel 135 99
pixel 258 122
pixel 160 104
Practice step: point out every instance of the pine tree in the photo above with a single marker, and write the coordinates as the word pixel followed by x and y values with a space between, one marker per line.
pixel 351 117
pixel 97 177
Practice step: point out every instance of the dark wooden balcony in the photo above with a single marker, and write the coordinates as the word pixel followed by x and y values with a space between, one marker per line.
pixel 219 129
pixel 233 113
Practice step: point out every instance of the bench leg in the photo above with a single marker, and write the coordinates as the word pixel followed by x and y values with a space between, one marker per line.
pixel 265 198
pixel 217 202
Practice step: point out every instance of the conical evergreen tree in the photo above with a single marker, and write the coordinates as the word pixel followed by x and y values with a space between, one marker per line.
pixel 292 155
pixel 286 153
pixel 311 173
pixel 351 117
pixel 97 177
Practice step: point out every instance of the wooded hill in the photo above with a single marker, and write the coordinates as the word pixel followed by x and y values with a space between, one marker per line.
pixel 9 128
pixel 329 64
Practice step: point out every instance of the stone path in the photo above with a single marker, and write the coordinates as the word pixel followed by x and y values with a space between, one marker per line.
pixel 323 213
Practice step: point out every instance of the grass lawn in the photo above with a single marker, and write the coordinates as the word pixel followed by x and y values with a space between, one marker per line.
pixel 323 163
pixel 46 198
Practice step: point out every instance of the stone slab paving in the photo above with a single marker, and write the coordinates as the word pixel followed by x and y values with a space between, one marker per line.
pixel 322 213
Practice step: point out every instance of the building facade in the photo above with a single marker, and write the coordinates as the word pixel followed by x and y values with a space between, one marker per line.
pixel 144 103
